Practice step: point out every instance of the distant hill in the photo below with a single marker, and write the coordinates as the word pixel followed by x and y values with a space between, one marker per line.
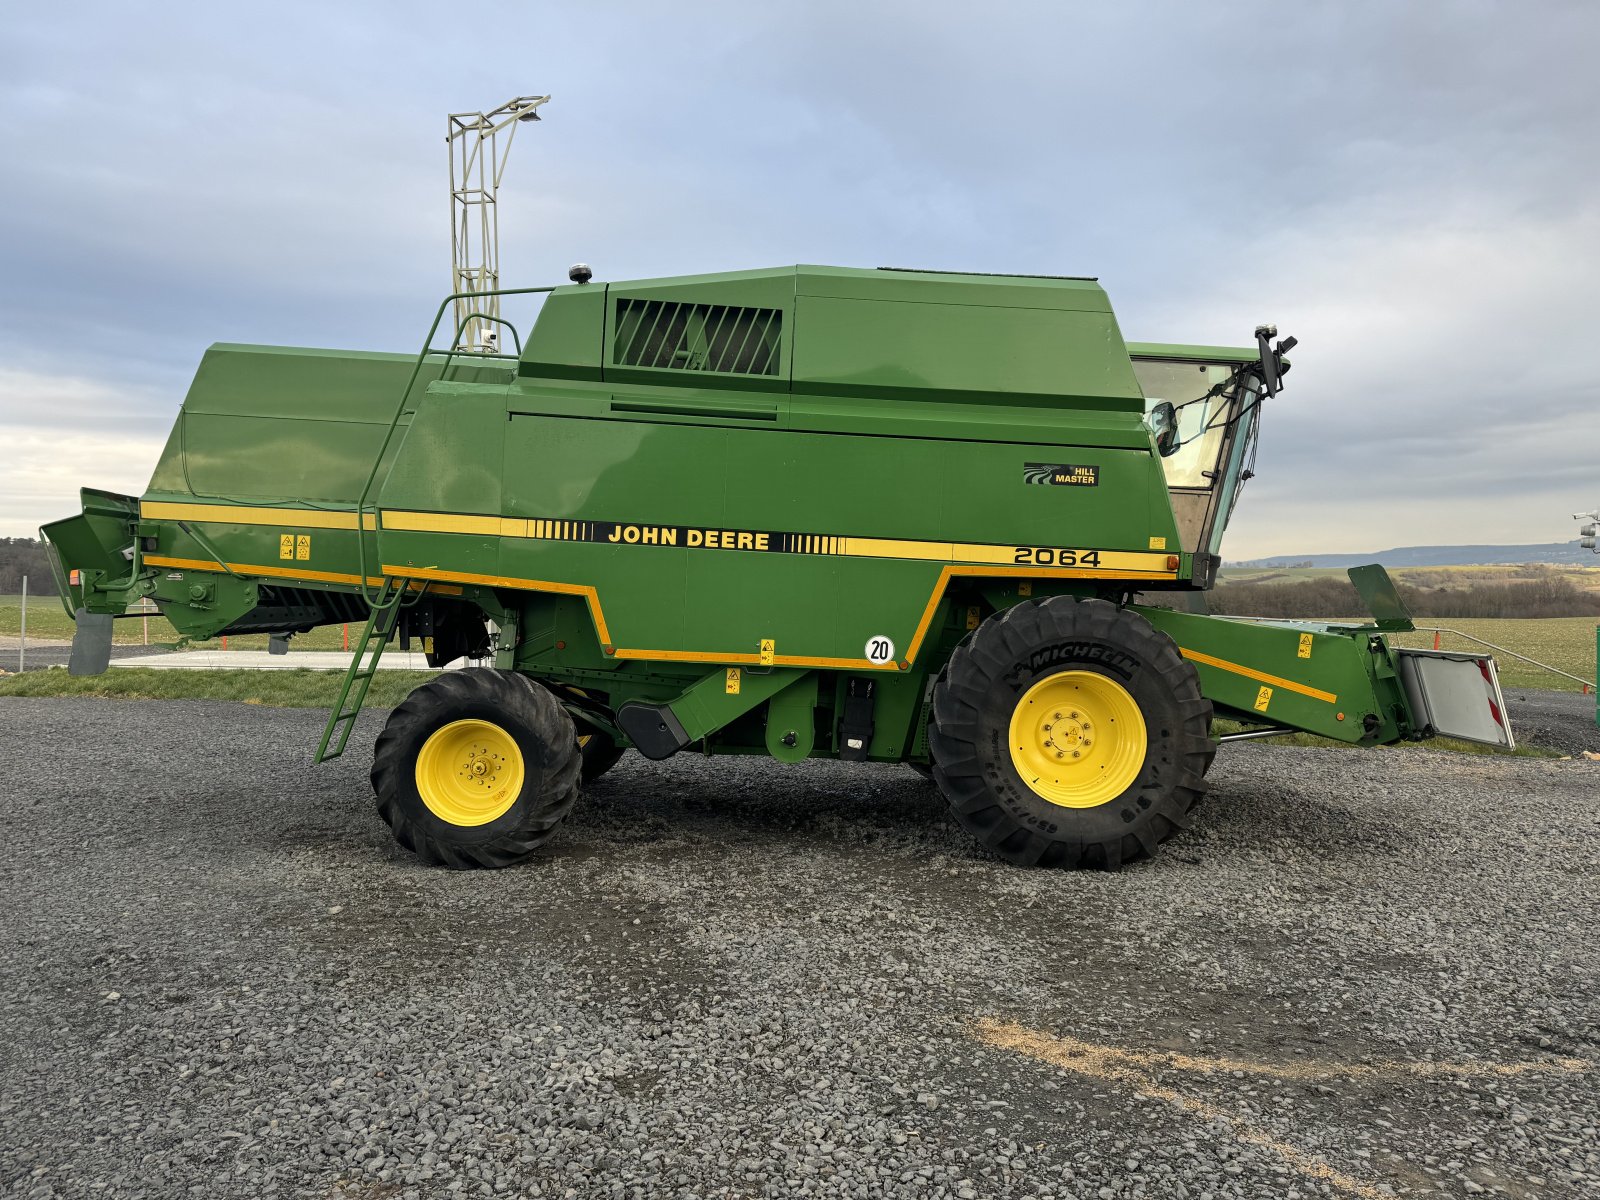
pixel 1439 556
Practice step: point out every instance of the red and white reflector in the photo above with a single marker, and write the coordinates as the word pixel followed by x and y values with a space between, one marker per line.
pixel 1456 695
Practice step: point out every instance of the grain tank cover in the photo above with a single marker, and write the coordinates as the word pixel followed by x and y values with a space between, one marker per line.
pixel 846 331
pixel 1003 335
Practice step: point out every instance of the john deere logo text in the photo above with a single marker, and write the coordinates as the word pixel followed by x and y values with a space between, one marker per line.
pixel 682 535
pixel 1061 474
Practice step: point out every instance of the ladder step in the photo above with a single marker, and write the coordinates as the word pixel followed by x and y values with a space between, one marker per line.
pixel 380 629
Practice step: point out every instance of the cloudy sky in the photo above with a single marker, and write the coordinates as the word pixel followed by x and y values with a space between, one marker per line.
pixel 1412 189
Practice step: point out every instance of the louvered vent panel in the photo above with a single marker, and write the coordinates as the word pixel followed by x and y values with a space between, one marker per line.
pixel 675 336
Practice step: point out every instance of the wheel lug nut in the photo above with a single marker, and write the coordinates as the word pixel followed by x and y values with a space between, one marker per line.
pixel 1075 754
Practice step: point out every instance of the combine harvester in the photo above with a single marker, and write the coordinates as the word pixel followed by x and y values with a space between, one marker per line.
pixel 885 515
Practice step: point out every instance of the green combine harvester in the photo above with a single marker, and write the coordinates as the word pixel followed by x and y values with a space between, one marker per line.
pixel 946 520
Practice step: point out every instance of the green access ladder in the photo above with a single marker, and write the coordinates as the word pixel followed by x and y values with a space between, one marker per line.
pixel 358 679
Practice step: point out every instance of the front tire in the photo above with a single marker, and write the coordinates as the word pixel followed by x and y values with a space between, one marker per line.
pixel 1070 733
pixel 476 768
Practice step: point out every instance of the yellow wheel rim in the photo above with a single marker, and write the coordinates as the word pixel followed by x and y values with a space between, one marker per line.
pixel 1078 739
pixel 469 772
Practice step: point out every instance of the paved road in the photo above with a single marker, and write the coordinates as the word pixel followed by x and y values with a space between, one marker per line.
pixel 393 659
pixel 55 654
pixel 1361 974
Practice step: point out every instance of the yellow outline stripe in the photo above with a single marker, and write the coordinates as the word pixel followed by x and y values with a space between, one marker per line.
pixel 506 581
pixel 1129 564
pixel 412 522
pixel 779 660
pixel 981 562
pixel 206 564
pixel 236 514
pixel 592 595
pixel 1009 572
pixel 1134 564
pixel 1223 664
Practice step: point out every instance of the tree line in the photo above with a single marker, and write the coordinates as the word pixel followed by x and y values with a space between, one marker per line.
pixel 25 556
pixel 1549 595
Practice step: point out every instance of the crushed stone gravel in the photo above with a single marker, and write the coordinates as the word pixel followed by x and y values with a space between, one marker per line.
pixel 1560 721
pixel 1359 974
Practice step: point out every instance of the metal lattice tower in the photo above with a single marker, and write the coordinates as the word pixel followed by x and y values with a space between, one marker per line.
pixel 478 153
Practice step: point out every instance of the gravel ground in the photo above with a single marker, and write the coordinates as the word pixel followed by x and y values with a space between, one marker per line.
pixel 1360 974
pixel 1563 721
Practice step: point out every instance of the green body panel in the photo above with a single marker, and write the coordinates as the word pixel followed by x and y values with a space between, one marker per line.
pixel 1004 339
pixel 268 424
pixel 686 478
pixel 569 338
pixel 792 720
pixel 710 704
pixel 770 470
pixel 1266 672
pixel 89 545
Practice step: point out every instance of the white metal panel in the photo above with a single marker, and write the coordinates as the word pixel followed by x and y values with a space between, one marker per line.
pixel 1456 695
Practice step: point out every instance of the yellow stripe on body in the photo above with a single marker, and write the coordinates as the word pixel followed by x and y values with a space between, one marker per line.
pixel 508 581
pixel 1223 664
pixel 1134 564
pixel 252 569
pixel 238 514
pixel 960 559
pixel 415 522
pixel 592 595
pixel 1120 561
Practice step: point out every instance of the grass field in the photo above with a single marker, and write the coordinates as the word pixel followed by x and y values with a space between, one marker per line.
pixel 1564 642
pixel 1584 578
pixel 281 689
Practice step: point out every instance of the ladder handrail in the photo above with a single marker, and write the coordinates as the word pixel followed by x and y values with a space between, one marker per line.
pixel 405 396
pixel 381 623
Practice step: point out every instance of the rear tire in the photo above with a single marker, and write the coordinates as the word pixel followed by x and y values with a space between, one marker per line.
pixel 1070 733
pixel 600 753
pixel 476 768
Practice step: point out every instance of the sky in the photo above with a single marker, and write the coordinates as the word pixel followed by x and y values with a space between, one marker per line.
pixel 1410 189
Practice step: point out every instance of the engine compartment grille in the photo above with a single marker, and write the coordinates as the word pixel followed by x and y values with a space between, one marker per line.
pixel 675 336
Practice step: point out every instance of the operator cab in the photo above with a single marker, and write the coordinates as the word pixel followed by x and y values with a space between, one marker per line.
pixel 1203 405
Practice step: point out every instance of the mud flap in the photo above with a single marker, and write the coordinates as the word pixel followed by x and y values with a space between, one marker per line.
pixel 91 644
pixel 653 729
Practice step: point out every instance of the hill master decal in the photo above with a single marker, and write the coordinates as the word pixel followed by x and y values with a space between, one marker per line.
pixel 1061 474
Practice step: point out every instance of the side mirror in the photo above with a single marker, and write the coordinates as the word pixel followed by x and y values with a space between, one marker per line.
pixel 1162 421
